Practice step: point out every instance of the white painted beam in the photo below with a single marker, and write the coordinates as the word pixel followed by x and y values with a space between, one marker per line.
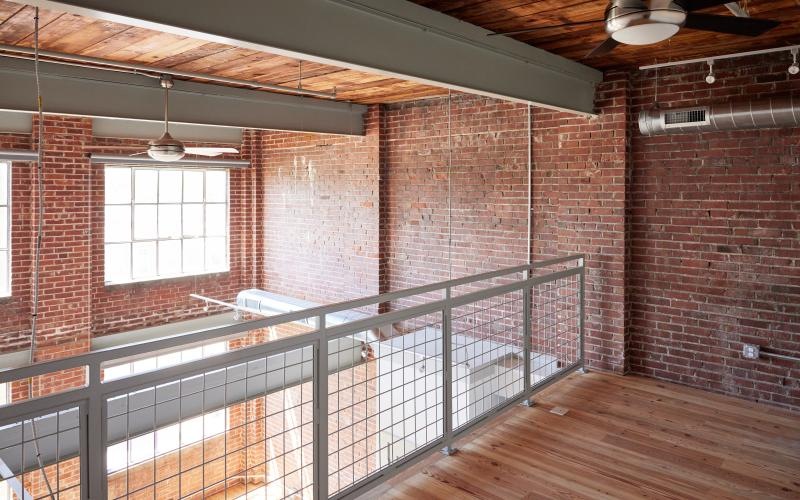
pixel 71 90
pixel 390 37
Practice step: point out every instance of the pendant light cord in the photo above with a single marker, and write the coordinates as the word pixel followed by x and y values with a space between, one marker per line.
pixel 38 249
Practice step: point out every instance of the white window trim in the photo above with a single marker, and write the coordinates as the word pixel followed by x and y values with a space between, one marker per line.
pixel 132 204
pixel 7 292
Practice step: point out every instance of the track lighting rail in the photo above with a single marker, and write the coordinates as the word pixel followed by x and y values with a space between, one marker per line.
pixel 789 48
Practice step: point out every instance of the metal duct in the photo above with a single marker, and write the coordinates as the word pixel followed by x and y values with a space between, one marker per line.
pixel 772 112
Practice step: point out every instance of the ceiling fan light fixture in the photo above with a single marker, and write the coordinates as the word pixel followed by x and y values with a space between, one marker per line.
pixel 634 22
pixel 166 149
pixel 645 34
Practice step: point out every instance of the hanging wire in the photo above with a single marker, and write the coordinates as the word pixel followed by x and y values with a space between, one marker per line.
pixel 449 187
pixel 530 186
pixel 38 249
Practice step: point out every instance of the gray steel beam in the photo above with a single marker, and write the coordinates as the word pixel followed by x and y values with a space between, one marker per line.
pixel 390 37
pixel 71 90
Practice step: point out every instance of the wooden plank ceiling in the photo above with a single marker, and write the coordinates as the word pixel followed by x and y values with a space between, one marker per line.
pixel 74 34
pixel 86 36
pixel 575 42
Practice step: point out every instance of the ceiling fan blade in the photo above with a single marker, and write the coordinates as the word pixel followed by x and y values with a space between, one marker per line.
pixel 746 26
pixel 210 151
pixel 692 5
pixel 604 48
pixel 537 28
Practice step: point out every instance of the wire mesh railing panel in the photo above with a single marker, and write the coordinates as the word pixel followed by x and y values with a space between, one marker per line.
pixel 488 358
pixel 240 429
pixel 40 457
pixel 387 406
pixel 555 327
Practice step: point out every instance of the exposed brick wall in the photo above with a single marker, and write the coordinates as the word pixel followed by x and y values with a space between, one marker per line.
pixel 715 239
pixel 489 188
pixel 579 173
pixel 15 310
pixel 321 214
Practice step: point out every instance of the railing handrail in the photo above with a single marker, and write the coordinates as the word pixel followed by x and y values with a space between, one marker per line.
pixel 92 398
pixel 96 358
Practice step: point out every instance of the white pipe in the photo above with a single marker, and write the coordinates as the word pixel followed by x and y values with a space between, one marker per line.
pixel 724 56
pixel 228 305
pixel 137 68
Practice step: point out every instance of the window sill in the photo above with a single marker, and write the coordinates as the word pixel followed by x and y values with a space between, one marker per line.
pixel 143 283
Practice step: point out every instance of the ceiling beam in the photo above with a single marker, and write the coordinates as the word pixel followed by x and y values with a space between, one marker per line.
pixel 395 38
pixel 78 91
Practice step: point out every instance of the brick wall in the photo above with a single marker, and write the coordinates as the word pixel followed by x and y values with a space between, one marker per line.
pixel 715 239
pixel 488 187
pixel 579 196
pixel 320 221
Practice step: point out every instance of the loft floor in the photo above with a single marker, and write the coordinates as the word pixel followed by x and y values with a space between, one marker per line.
pixel 623 437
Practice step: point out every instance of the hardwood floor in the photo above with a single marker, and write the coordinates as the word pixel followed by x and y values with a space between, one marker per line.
pixel 622 437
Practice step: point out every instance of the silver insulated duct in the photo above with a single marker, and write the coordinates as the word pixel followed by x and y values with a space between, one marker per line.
pixel 772 112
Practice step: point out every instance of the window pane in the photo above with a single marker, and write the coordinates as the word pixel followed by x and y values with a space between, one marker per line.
pixel 144 222
pixel 169 186
pixel 193 220
pixel 4 284
pixel 191 430
pixel 169 258
pixel 169 221
pixel 3 183
pixel 118 223
pixel 118 185
pixel 216 260
pixel 117 456
pixel 193 255
pixel 146 186
pixel 144 260
pixel 216 220
pixel 118 262
pixel 3 227
pixel 192 186
pixel 216 186
pixel 167 439
pixel 142 448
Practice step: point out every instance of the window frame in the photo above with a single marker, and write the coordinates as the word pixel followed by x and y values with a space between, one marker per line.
pixel 157 239
pixel 5 288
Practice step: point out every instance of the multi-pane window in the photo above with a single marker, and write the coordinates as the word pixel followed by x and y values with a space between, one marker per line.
pixel 164 222
pixel 5 229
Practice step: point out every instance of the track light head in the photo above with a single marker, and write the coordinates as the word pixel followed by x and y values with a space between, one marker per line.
pixel 794 68
pixel 710 78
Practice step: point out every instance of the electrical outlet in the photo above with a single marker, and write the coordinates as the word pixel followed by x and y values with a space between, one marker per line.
pixel 750 351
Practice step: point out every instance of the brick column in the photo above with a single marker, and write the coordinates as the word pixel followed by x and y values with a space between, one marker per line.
pixel 579 203
pixel 64 318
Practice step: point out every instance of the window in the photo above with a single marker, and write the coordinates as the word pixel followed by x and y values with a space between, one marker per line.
pixel 173 437
pixel 151 363
pixel 164 222
pixel 5 229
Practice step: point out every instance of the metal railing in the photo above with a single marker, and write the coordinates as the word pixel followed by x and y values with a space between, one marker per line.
pixel 292 408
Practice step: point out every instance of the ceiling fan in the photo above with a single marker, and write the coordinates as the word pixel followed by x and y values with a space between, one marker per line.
pixel 643 22
pixel 166 148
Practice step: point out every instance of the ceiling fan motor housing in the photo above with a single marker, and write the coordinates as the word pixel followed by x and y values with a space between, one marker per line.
pixel 166 148
pixel 642 22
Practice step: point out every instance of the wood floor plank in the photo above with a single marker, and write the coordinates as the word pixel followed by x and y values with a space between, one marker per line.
pixel 623 437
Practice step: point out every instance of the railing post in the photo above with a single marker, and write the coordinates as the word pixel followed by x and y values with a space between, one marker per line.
pixel 582 313
pixel 95 454
pixel 527 299
pixel 321 413
pixel 447 371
